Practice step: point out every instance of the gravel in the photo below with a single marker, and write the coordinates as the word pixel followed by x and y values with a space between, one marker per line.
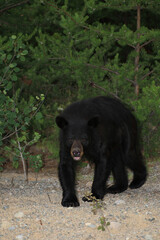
pixel 33 211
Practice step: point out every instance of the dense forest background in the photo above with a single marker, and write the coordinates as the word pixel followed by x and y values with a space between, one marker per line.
pixel 55 52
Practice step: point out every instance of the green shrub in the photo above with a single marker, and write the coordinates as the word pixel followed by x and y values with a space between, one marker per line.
pixel 147 109
pixel 16 113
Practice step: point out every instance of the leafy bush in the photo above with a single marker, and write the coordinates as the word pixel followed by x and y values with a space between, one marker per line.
pixel 16 113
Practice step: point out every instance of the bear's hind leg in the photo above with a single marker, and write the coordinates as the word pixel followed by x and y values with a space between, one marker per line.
pixel 139 171
pixel 121 181
pixel 139 176
pixel 119 174
pixel 138 180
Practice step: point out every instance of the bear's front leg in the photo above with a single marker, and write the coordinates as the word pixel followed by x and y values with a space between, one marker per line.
pixel 67 180
pixel 101 174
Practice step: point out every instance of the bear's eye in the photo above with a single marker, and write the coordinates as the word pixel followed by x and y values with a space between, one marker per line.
pixel 84 141
pixel 70 140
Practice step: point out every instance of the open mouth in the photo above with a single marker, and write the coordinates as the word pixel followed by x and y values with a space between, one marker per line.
pixel 77 158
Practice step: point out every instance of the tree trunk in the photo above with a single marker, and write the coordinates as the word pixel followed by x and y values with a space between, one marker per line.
pixel 137 51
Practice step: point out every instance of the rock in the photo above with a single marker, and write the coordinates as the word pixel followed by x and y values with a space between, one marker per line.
pixel 90 225
pixel 114 225
pixel 148 237
pixel 12 228
pixel 19 215
pixel 89 184
pixel 5 207
pixel 118 202
pixel 89 238
pixel 5 224
pixel 151 219
pixel 21 237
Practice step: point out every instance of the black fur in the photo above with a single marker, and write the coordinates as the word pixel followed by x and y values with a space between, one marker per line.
pixel 108 133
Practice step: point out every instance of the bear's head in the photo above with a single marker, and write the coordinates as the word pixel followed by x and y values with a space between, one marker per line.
pixel 77 134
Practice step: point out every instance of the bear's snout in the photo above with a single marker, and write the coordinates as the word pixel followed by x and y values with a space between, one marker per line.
pixel 76 153
pixel 77 150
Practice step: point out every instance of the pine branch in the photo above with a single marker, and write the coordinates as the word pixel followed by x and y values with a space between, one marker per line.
pixel 103 68
pixel 13 6
pixel 146 43
pixel 92 84
pixel 147 74
pixel 60 10
pixel 68 15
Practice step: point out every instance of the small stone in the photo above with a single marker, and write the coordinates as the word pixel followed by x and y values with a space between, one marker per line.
pixel 5 224
pixel 151 219
pixel 70 208
pixel 148 237
pixel 5 207
pixel 11 228
pixel 21 237
pixel 118 202
pixel 19 215
pixel 90 225
pixel 89 184
pixel 114 225
pixel 89 237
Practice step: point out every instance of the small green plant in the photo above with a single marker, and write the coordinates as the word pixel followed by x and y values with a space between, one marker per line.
pixel 103 224
pixel 98 206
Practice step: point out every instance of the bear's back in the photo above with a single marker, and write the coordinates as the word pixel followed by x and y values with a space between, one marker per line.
pixel 108 109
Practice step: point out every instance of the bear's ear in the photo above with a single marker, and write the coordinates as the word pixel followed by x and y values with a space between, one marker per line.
pixel 93 122
pixel 61 122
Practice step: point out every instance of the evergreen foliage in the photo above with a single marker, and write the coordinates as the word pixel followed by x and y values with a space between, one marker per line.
pixel 77 49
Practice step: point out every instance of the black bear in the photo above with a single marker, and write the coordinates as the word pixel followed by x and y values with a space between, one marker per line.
pixel 105 131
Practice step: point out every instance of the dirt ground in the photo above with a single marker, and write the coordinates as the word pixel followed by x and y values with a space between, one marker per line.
pixel 33 211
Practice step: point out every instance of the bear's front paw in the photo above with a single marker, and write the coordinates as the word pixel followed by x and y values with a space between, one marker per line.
pixel 89 198
pixel 92 197
pixel 71 201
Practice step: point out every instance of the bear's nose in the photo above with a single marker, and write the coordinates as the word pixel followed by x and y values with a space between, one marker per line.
pixel 76 153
